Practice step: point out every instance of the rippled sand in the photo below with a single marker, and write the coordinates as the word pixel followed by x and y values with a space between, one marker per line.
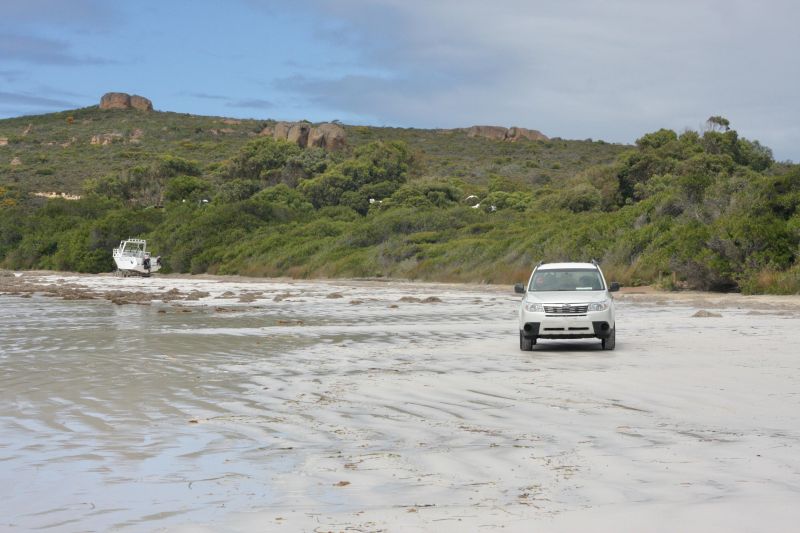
pixel 214 404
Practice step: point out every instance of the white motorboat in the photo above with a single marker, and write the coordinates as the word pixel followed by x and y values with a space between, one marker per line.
pixel 132 257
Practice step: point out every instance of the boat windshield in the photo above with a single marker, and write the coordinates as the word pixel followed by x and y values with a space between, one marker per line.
pixel 132 249
pixel 566 279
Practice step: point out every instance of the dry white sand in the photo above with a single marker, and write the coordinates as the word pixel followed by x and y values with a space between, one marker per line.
pixel 376 414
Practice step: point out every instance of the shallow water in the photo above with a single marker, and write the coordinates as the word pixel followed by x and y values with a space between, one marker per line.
pixel 96 403
pixel 317 411
pixel 115 416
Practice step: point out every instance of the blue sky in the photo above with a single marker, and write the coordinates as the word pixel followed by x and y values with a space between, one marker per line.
pixel 575 69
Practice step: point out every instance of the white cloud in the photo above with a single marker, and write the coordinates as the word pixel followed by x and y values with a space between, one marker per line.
pixel 575 69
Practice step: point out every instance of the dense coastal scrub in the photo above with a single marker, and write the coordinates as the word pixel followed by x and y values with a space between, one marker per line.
pixel 704 210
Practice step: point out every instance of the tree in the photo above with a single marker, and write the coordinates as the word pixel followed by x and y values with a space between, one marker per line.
pixel 169 166
pixel 754 155
pixel 278 203
pixel 582 197
pixel 187 188
pixel 261 158
pixel 718 123
pixel 657 139
pixel 236 190
pixel 377 168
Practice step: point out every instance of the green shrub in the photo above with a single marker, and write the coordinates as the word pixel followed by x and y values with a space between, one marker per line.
pixel 187 188
pixel 236 190
pixel 582 197
pixel 262 158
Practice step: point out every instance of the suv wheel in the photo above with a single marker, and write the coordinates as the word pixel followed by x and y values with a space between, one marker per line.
pixel 526 343
pixel 611 341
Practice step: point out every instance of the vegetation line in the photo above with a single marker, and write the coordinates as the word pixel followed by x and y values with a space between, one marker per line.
pixel 703 210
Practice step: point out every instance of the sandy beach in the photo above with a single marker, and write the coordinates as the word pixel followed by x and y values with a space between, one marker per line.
pixel 230 404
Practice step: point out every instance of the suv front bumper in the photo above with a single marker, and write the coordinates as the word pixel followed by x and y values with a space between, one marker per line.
pixel 593 325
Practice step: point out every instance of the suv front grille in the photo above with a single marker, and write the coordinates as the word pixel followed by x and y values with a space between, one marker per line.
pixel 566 309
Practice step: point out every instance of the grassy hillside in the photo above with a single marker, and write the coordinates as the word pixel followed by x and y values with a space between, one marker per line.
pixel 57 154
pixel 442 154
pixel 704 210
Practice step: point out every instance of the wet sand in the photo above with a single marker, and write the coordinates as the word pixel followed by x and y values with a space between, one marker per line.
pixel 233 404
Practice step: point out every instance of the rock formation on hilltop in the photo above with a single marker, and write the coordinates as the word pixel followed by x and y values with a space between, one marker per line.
pixel 496 133
pixel 328 135
pixel 499 133
pixel 298 134
pixel 115 101
pixel 279 131
pixel 516 133
pixel 125 101
pixel 141 103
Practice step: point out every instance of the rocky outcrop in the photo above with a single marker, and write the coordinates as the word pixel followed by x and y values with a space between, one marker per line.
pixel 515 134
pixel 499 133
pixel 298 134
pixel 125 101
pixel 16 162
pixel 106 138
pixel 328 135
pixel 53 194
pixel 141 103
pixel 115 101
pixel 281 130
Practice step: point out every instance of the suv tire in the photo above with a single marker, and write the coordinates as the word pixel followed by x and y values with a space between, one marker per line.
pixel 526 343
pixel 611 341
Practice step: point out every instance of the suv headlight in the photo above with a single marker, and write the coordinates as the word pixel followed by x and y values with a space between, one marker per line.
pixel 599 306
pixel 534 307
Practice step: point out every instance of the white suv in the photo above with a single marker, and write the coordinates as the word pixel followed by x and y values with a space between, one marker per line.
pixel 567 301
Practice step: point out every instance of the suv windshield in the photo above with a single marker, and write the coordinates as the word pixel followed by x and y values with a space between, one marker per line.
pixel 567 279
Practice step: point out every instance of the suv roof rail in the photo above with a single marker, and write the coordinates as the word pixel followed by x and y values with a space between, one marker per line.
pixel 595 263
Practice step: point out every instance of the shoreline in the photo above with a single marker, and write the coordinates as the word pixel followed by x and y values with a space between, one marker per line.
pixel 47 282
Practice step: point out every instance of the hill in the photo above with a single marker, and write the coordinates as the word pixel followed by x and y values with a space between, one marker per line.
pixel 60 151
pixel 704 210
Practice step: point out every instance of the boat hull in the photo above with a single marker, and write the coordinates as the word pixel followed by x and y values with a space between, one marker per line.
pixel 136 266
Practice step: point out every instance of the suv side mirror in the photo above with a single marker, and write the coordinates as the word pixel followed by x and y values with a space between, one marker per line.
pixel 614 287
pixel 519 288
